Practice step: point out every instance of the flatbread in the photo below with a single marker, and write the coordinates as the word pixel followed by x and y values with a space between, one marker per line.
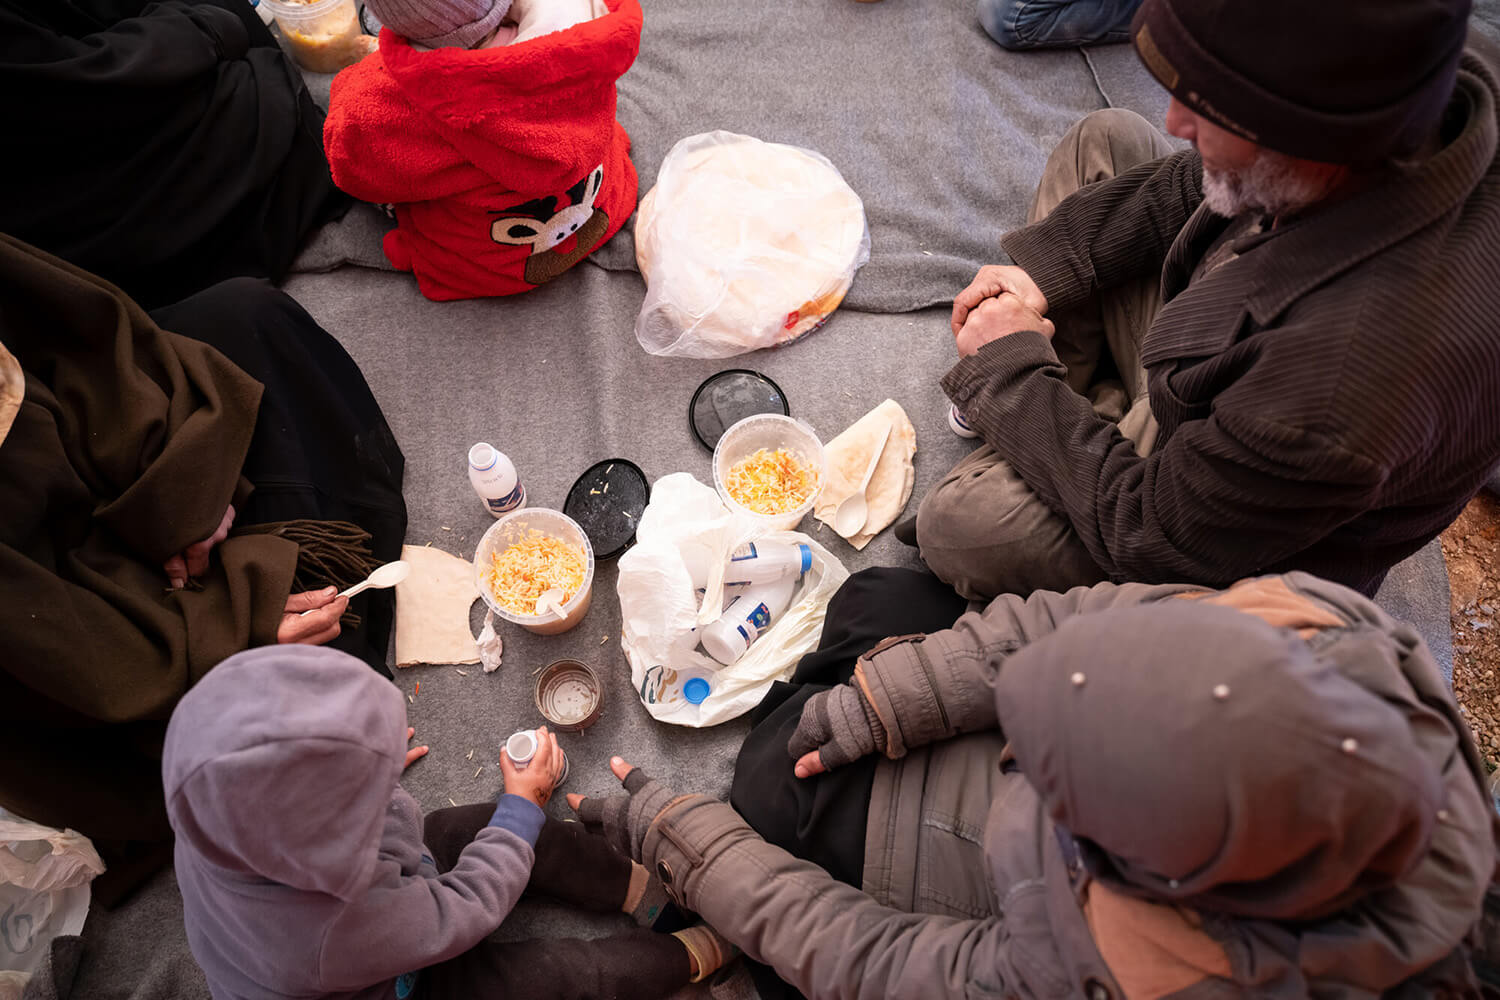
pixel 432 608
pixel 849 457
pixel 743 244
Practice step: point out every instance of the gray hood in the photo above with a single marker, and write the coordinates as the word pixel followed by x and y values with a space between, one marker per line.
pixel 310 735
pixel 1292 788
pixel 1204 758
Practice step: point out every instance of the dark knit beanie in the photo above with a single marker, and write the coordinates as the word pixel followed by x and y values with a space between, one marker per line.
pixel 1339 81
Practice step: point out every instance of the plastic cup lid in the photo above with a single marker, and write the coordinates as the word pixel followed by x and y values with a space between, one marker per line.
pixel 730 396
pixel 695 690
pixel 607 502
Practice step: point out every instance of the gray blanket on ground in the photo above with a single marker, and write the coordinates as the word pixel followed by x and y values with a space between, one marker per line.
pixel 942 134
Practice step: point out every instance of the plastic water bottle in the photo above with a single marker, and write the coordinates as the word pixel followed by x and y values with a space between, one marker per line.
pixel 751 563
pixel 748 615
pixel 494 479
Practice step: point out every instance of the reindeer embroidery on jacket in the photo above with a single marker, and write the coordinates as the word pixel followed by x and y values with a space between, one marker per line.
pixel 540 224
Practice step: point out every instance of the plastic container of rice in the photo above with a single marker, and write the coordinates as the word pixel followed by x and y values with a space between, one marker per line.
pixel 528 552
pixel 770 468
pixel 324 36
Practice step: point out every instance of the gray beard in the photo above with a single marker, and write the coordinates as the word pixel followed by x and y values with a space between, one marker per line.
pixel 1272 185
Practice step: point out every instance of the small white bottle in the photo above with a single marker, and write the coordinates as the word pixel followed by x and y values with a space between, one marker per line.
pixel 494 479
pixel 748 615
pixel 522 746
pixel 960 424
pixel 751 563
pixel 766 562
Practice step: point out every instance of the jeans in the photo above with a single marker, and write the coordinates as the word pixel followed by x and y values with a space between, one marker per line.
pixel 1041 24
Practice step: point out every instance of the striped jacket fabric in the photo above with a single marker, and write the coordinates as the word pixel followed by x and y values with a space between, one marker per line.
pixel 1328 400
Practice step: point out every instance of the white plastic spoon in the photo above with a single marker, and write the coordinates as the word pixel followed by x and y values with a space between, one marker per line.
pixel 854 510
pixel 550 601
pixel 388 575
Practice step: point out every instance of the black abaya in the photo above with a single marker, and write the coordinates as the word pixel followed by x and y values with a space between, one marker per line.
pixel 322 450
pixel 163 146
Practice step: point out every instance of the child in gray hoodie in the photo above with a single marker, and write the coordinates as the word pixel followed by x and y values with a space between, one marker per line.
pixel 306 871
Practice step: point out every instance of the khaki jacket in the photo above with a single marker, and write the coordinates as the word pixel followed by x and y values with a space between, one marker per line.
pixel 972 892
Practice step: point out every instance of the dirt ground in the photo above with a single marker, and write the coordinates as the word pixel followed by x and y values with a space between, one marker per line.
pixel 1471 547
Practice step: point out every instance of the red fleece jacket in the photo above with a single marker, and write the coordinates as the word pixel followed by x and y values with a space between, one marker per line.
pixel 506 165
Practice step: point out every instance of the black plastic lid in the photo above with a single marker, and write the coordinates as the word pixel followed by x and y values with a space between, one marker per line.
pixel 726 398
pixel 607 502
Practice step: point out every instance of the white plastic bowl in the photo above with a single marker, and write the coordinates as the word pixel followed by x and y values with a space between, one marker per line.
pixel 771 431
pixel 512 528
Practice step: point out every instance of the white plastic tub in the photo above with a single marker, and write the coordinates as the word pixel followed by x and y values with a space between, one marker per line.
pixel 512 528
pixel 770 431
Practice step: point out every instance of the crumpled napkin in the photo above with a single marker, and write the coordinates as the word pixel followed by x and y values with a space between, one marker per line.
pixel 849 456
pixel 490 644
pixel 432 608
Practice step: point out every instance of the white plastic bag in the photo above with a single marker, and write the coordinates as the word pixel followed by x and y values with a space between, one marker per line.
pixel 44 893
pixel 660 607
pixel 743 244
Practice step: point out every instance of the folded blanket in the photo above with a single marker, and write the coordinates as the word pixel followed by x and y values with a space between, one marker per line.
pixel 506 166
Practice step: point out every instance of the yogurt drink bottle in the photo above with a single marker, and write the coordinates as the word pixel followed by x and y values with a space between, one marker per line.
pixel 748 615
pixel 494 479
pixel 750 564
pixel 766 562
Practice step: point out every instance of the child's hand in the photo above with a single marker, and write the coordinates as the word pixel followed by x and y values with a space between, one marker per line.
pixel 415 752
pixel 539 777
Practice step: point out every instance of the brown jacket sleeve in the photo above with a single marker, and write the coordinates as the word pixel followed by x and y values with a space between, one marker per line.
pixel 1225 497
pixel 929 688
pixel 91 626
pixel 1109 233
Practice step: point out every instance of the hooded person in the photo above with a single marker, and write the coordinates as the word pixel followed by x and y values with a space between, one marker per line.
pixel 505 164
pixel 174 488
pixel 307 871
pixel 1137 791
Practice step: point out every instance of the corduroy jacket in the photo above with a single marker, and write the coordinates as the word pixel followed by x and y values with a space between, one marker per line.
pixel 1328 400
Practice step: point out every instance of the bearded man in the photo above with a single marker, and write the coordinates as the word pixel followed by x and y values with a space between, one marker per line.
pixel 1277 350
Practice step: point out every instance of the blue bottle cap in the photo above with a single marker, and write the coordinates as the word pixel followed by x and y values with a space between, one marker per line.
pixel 696 690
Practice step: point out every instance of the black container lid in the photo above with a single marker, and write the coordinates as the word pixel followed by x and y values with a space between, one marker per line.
pixel 607 502
pixel 726 398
